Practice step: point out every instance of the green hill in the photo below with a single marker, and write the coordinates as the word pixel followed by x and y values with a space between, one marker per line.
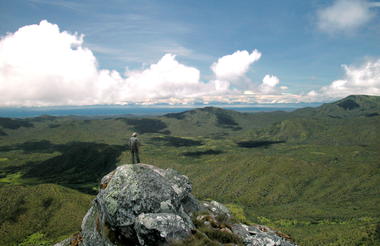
pixel 39 215
pixel 79 165
pixel 351 121
pixel 313 173
pixel 218 123
pixel 351 106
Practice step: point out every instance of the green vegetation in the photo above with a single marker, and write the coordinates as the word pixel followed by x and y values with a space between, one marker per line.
pixel 39 214
pixel 36 239
pixel 14 123
pixel 145 125
pixel 80 164
pixel 176 141
pixel 313 173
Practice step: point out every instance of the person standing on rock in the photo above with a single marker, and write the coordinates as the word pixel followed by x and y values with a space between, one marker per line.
pixel 134 145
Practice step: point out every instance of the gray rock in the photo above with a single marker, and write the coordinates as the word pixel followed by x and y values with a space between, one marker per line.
pixel 190 204
pixel 259 236
pixel 65 242
pixel 216 208
pixel 220 208
pixel 135 200
pixel 161 228
pixel 180 183
pixel 93 228
pixel 106 179
pixel 136 189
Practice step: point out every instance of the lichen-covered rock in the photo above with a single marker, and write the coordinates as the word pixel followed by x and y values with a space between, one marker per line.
pixel 136 189
pixel 259 236
pixel 137 199
pixel 161 227
pixel 93 229
pixel 217 208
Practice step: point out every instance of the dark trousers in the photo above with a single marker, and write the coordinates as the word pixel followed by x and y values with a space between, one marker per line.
pixel 135 156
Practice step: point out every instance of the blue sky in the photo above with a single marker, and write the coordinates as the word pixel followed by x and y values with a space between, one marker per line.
pixel 303 47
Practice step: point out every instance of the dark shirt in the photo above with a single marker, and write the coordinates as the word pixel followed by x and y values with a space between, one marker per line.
pixel 134 143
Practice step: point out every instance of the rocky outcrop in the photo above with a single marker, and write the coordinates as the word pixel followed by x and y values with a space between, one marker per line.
pixel 145 205
pixel 139 205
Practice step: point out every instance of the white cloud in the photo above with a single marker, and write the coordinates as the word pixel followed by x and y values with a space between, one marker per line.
pixel 234 66
pixel 167 78
pixel 345 15
pixel 364 79
pixel 269 84
pixel 40 65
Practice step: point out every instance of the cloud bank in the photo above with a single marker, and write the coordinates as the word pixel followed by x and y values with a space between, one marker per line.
pixel 43 66
pixel 40 65
pixel 345 15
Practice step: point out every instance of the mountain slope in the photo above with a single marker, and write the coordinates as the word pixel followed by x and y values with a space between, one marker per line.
pixel 48 210
pixel 217 122
pixel 351 121
pixel 348 107
pixel 78 165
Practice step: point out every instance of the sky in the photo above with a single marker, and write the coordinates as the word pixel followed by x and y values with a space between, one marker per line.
pixel 178 52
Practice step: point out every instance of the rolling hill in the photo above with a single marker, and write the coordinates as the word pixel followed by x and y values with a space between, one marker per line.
pixel 44 212
pixel 313 173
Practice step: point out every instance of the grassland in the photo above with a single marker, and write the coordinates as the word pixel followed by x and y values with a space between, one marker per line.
pixel 313 173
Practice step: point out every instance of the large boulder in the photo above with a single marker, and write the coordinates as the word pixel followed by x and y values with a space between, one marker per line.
pixel 139 204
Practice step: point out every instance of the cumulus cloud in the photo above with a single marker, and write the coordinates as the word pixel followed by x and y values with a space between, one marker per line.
pixel 172 77
pixel 234 66
pixel 345 15
pixel 40 65
pixel 364 79
pixel 269 83
pixel 167 78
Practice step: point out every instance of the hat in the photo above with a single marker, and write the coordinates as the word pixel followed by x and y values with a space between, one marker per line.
pixel 134 134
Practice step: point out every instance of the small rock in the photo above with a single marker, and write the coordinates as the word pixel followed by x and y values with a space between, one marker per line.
pixel 161 227
pixel 254 236
pixel 216 208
